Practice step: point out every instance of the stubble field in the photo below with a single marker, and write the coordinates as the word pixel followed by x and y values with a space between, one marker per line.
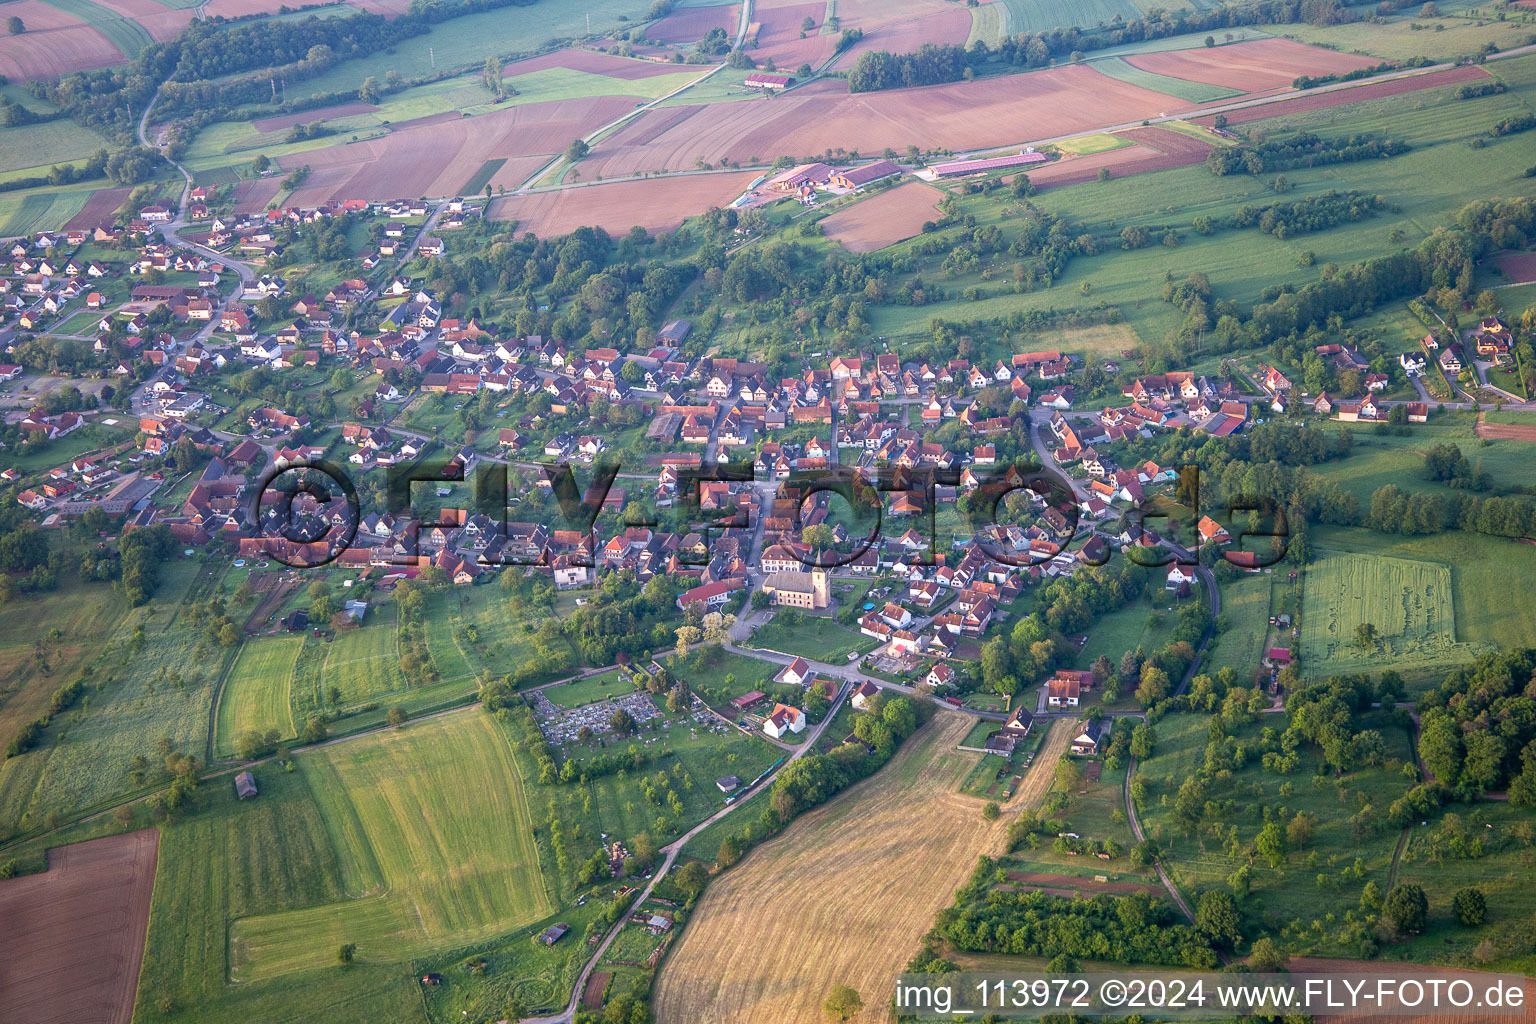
pixel 884 219
pixel 836 899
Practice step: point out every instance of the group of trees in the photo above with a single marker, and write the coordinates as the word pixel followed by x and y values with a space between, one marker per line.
pixel 1478 729
pixel 932 64
pixel 1304 149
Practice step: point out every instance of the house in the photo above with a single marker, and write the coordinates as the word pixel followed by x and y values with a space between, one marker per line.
pixel 784 719
pixel 1179 576
pixel 1412 362
pixel 245 785
pixel 796 673
pixel 864 695
pixel 1450 361
pixel 1063 692
pixel 1212 532
pixel 1086 741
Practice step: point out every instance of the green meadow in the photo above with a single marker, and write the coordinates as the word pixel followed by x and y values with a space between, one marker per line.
pixel 255 692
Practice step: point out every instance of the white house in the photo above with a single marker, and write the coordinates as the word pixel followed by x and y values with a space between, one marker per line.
pixel 784 719
pixel 1179 575
pixel 864 694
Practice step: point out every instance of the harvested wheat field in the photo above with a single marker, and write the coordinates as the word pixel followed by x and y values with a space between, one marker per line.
pixel 74 935
pixel 686 24
pixel 160 21
pixel 824 115
pixel 428 157
pixel 1353 94
pixel 884 219
pixel 1256 66
pixel 660 204
pixel 844 895
pixel 54 44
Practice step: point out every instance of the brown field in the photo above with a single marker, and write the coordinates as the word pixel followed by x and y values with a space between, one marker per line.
pixel 1505 431
pixel 74 935
pixel 388 8
pixel 959 116
pixel 1354 94
pixel 253 195
pixel 839 897
pixel 1255 66
pixel 660 204
pixel 1156 149
pixel 429 156
pixel 691 23
pixel 901 27
pixel 54 44
pixel 592 994
pixel 1519 267
pixel 99 208
pixel 884 219
pixel 624 68
pixel 277 124
pixel 778 35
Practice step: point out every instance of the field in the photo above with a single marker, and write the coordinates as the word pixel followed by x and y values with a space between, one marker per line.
pixel 1290 892
pixel 1408 602
pixel 1463 27
pixel 426 859
pixel 1245 607
pixel 1519 267
pixel 1258 66
pixel 824 115
pixel 55 43
pixel 812 636
pixel 686 24
pixel 897 28
pixel 1355 94
pixel 658 205
pixel 127 35
pixel 883 219
pixel 1122 70
pixel 35 210
pixel 93 902
pixel 255 692
pixel 834 900
pixel 52 142
pixel 1015 16
pixel 1146 149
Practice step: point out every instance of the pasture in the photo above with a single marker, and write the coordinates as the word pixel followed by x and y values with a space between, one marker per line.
pixel 94 898
pixel 426 860
pixel 1408 34
pixel 1203 861
pixel 1003 18
pixel 1409 603
pixel 1245 613
pixel 255 692
pixel 754 952
pixel 41 145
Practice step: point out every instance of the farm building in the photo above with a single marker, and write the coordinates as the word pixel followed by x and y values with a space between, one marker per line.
pixel 746 700
pixel 956 168
pixel 432 978
pixel 554 934
pixel 767 82
pixel 674 331
pixel 796 178
pixel 245 785
pixel 855 177
pixel 728 783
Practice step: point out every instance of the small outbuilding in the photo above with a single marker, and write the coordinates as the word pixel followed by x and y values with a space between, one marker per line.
pixel 245 785
pixel 727 784
pixel 432 978
pixel 554 934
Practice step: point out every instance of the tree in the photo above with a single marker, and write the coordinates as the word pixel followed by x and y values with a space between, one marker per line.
pixel 346 953
pixel 1266 956
pixel 990 810
pixel 1210 41
pixel 1271 843
pixel 397 715
pixel 14 26
pixel 577 150
pixel 842 1003
pixel 1471 907
pixel 368 92
pixel 692 877
pixel 1365 636
pixel 314 730
pixel 1406 909
pixel 251 744
pixel 621 722
pixel 1216 916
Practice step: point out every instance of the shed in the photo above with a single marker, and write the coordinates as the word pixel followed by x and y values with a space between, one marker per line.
pixel 728 783
pixel 554 934
pixel 432 978
pixel 245 785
